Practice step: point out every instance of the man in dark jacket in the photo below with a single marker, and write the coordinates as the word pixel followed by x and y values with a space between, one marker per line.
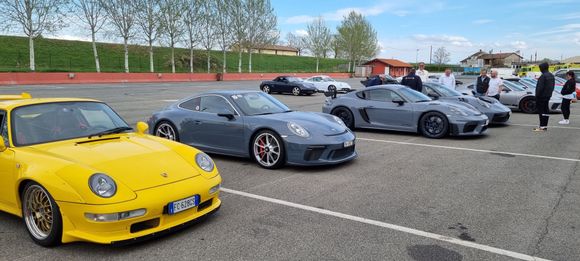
pixel 544 90
pixel 482 83
pixel 413 81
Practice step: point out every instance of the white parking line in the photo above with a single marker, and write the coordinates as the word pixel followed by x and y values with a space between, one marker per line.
pixel 169 100
pixel 549 127
pixel 407 230
pixel 468 149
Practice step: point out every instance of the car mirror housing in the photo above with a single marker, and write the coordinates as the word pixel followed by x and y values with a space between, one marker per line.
pixel 398 101
pixel 142 127
pixel 226 114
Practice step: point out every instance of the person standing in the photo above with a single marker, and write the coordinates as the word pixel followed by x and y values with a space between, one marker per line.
pixel 424 74
pixel 567 92
pixel 482 83
pixel 413 81
pixel 544 89
pixel 447 80
pixel 495 86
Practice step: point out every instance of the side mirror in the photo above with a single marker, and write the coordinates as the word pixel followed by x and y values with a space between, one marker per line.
pixel 142 127
pixel 226 114
pixel 398 101
pixel 506 90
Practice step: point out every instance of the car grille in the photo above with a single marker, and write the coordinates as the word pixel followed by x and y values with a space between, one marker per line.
pixel 342 153
pixel 469 127
pixel 503 117
pixel 144 225
pixel 313 152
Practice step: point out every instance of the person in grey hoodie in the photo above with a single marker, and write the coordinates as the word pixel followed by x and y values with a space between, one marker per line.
pixel 544 90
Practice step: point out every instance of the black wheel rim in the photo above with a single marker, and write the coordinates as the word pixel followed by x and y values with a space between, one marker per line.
pixel 529 106
pixel 434 125
pixel 344 116
pixel 331 88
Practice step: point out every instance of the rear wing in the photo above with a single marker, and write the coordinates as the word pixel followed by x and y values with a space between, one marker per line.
pixel 22 96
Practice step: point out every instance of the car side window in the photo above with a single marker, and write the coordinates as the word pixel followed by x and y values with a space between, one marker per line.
pixel 192 104
pixel 3 127
pixel 382 95
pixel 431 92
pixel 215 104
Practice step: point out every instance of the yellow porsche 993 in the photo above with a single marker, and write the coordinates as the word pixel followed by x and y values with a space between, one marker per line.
pixel 75 171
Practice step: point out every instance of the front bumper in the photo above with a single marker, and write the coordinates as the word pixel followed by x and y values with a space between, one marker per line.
pixel 469 126
pixel 331 151
pixel 78 228
pixel 500 117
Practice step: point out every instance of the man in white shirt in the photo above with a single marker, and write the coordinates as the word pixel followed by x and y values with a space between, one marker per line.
pixel 421 72
pixel 495 86
pixel 447 80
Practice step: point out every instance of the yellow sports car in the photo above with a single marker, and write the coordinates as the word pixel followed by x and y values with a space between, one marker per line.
pixel 75 171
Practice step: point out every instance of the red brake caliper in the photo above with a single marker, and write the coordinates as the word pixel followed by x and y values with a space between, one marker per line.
pixel 261 142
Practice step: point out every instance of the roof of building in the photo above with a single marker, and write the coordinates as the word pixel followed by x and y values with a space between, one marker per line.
pixel 498 55
pixel 477 54
pixel 278 48
pixel 391 62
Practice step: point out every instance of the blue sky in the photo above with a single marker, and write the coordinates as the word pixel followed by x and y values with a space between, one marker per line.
pixel 550 28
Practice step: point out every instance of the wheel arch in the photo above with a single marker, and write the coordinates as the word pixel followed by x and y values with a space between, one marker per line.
pixel 342 106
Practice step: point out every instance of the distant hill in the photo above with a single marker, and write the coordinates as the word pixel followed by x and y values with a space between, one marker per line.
pixel 77 56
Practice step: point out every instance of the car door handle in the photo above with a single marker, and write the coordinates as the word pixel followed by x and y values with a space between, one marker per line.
pixel 197 122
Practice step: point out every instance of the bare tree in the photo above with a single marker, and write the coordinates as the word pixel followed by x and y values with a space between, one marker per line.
pixel 296 41
pixel 192 27
pixel 261 30
pixel 92 14
pixel 208 22
pixel 34 17
pixel 121 14
pixel 239 16
pixel 318 39
pixel 148 21
pixel 224 24
pixel 357 39
pixel 172 24
pixel 441 56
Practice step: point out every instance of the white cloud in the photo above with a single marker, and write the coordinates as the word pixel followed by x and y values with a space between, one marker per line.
pixel 443 39
pixel 482 21
pixel 519 45
pixel 561 29
pixel 301 32
pixel 570 16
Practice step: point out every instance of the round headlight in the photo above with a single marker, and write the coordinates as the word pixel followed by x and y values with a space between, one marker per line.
pixel 298 130
pixel 102 185
pixel 204 162
pixel 339 121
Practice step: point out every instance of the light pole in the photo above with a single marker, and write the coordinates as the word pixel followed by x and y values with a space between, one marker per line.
pixel 417 57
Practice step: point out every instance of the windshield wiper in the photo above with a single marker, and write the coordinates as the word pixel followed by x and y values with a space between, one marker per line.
pixel 111 131
pixel 288 111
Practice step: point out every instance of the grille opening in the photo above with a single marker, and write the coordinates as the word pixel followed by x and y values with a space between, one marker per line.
pixel 314 152
pixel 470 127
pixel 501 117
pixel 204 205
pixel 144 225
pixel 342 153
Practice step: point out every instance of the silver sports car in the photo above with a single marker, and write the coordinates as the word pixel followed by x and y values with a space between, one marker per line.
pixel 396 107
pixel 494 110
pixel 255 125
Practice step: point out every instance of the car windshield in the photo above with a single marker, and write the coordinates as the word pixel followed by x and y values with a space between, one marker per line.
pixel 446 92
pixel 258 103
pixel 513 86
pixel 48 122
pixel 414 96
pixel 327 79
pixel 293 79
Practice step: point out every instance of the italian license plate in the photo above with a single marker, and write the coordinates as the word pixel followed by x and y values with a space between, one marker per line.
pixel 348 143
pixel 182 205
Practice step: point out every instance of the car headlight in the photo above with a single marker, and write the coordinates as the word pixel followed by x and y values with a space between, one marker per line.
pixel 484 104
pixel 298 130
pixel 204 162
pixel 458 111
pixel 102 185
pixel 339 121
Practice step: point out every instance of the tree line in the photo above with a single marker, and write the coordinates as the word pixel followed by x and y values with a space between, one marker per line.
pixel 237 25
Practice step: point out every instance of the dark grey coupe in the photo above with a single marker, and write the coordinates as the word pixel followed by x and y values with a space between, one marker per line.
pixel 255 125
pixel 288 84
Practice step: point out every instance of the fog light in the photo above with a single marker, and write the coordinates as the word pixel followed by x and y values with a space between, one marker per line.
pixel 115 216
pixel 214 189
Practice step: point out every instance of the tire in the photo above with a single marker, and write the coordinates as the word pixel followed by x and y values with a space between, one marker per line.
pixel 166 129
pixel 434 125
pixel 345 115
pixel 331 88
pixel 41 215
pixel 528 105
pixel 296 91
pixel 266 89
pixel 267 149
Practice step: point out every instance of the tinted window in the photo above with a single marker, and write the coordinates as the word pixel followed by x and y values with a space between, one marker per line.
pixel 214 104
pixel 381 95
pixel 3 127
pixel 192 104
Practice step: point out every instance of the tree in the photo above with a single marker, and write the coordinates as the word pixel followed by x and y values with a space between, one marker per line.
pixel 121 14
pixel 172 24
pixel 238 14
pixel 192 28
pixel 357 39
pixel 224 24
pixel 34 17
pixel 207 18
pixel 318 39
pixel 441 56
pixel 261 30
pixel 91 13
pixel 148 20
pixel 335 46
pixel 296 41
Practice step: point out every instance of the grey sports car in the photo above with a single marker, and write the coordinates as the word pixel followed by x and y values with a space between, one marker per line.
pixel 254 124
pixel 399 108
pixel 494 110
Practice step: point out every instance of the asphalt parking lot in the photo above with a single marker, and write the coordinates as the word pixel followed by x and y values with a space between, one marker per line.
pixel 509 195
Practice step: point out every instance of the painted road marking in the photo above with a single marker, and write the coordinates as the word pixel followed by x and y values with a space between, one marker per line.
pixel 407 230
pixel 468 149
pixel 549 127
pixel 169 100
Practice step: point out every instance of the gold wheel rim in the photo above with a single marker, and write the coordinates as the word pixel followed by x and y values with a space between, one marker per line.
pixel 38 212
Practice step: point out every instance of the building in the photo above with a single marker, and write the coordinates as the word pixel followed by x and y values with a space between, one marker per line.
pixel 271 49
pixel 483 59
pixel 392 67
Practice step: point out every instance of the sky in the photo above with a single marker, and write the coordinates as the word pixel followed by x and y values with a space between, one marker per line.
pixel 550 28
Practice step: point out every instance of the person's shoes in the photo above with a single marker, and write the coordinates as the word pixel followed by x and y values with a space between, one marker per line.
pixel 540 129
pixel 564 122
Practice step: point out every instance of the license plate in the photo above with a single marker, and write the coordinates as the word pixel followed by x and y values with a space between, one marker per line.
pixel 348 143
pixel 182 205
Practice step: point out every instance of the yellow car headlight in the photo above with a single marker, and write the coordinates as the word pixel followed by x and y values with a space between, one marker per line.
pixel 102 185
pixel 204 162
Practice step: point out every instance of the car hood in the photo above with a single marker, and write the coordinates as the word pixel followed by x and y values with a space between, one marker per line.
pixel 137 162
pixel 315 123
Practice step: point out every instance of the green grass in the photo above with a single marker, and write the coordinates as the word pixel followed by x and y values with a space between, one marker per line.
pixel 76 56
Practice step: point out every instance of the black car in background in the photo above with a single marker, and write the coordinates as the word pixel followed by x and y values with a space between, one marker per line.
pixel 288 84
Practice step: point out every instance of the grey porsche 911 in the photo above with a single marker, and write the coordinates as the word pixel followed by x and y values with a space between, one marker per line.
pixel 255 125
pixel 399 108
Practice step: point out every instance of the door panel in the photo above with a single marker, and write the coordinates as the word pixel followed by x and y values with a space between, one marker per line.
pixel 383 112
pixel 7 168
